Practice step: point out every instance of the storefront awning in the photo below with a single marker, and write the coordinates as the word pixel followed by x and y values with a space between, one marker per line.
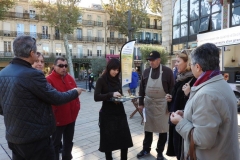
pixel 220 38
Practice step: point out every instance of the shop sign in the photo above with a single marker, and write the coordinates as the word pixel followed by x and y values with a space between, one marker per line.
pixel 222 37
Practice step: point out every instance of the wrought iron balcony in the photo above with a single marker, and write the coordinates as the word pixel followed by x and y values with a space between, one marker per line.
pixel 91 23
pixel 148 26
pixel 18 33
pixel 148 41
pixel 23 15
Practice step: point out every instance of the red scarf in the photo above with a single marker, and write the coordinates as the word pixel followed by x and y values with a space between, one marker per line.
pixel 206 76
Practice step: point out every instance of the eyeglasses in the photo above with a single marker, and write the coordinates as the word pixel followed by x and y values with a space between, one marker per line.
pixel 62 65
pixel 192 64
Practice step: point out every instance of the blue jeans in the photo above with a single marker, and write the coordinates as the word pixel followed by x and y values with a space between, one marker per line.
pixel 133 91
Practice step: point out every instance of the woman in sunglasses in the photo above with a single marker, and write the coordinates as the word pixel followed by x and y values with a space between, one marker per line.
pixel 114 129
pixel 178 99
pixel 39 63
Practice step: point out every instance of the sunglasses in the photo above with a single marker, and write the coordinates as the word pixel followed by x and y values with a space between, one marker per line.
pixel 62 65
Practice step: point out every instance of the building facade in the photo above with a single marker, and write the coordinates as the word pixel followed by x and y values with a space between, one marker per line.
pixel 194 22
pixel 94 38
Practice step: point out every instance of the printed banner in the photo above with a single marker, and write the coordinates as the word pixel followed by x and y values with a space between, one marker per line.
pixel 126 57
pixel 222 37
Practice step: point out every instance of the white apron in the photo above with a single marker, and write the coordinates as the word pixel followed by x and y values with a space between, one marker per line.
pixel 155 105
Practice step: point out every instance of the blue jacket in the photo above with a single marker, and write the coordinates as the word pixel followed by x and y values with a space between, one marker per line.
pixel 134 82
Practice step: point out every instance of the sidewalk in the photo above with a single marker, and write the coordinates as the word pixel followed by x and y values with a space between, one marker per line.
pixel 86 138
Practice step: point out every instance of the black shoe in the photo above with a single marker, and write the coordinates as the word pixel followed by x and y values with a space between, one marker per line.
pixel 142 154
pixel 160 157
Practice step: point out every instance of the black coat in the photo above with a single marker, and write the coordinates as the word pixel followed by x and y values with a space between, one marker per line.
pixel 25 102
pixel 114 130
pixel 178 103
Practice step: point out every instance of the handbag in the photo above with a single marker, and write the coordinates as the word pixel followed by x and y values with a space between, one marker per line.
pixel 191 152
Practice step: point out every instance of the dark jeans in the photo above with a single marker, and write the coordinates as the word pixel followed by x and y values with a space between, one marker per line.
pixel 133 91
pixel 123 154
pixel 147 142
pixel 66 132
pixel 38 150
pixel 91 86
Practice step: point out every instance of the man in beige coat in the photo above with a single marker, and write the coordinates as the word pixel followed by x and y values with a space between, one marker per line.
pixel 156 82
pixel 211 110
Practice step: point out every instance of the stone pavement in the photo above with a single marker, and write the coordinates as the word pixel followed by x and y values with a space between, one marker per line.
pixel 86 138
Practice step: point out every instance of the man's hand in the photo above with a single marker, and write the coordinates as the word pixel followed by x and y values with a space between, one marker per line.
pixel 175 118
pixel 140 108
pixel 116 94
pixel 80 90
pixel 168 97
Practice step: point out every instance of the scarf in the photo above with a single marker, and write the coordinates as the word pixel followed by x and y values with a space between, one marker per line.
pixel 183 76
pixel 206 76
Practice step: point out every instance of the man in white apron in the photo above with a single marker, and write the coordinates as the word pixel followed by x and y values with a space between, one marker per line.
pixel 156 82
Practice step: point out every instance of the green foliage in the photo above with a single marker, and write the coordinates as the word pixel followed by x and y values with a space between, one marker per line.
pixel 146 49
pixel 62 15
pixel 98 65
pixel 117 9
pixel 4 6
pixel 155 6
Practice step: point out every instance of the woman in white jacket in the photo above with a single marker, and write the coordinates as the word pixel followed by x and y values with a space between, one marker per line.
pixel 211 110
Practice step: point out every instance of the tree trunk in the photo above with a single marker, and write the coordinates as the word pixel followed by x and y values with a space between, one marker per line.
pixel 69 56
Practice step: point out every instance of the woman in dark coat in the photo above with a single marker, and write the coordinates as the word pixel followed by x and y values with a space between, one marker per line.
pixel 114 130
pixel 178 99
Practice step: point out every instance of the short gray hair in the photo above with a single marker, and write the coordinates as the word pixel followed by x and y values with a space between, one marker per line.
pixel 207 56
pixel 23 45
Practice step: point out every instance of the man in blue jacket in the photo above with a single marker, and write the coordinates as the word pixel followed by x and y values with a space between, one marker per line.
pixel 25 103
pixel 133 85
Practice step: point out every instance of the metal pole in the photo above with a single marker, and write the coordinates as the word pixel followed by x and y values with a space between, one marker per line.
pixel 129 13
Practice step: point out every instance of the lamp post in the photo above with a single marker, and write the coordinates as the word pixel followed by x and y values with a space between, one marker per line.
pixel 130 29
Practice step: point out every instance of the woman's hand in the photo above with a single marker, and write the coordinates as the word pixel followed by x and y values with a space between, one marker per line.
pixel 175 118
pixel 116 94
pixel 168 97
pixel 179 112
pixel 186 89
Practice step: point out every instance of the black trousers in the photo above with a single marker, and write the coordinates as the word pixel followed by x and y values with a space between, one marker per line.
pixel 123 154
pixel 66 132
pixel 147 142
pixel 91 86
pixel 38 150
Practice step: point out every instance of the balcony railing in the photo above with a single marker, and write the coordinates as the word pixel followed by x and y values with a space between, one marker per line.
pixel 148 41
pixel 116 40
pixel 23 15
pixel 148 26
pixel 91 23
pixel 19 33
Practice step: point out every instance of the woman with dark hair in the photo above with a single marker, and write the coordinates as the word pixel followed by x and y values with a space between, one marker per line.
pixel 178 99
pixel 114 129
pixel 39 63
pixel 209 120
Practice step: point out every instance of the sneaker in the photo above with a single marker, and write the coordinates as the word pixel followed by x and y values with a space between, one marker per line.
pixel 160 157
pixel 89 91
pixel 142 154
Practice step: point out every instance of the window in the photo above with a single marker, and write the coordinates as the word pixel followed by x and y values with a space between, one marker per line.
pixel 80 51
pixel 79 34
pixel 99 51
pixel 32 14
pixel 20 29
pixel 99 20
pixel 89 35
pixel 89 19
pixel 45 48
pixel 111 34
pixel 33 30
pixel 7 46
pixel 79 19
pixel 58 49
pixel 111 51
pixel 235 13
pixel 57 33
pixel 120 35
pixel 89 52
pixel 45 32
pixel 6 29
